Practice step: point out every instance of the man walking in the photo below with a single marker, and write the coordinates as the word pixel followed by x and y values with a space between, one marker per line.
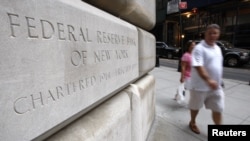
pixel 206 78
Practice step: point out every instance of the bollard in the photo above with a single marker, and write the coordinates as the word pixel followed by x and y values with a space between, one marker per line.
pixel 157 64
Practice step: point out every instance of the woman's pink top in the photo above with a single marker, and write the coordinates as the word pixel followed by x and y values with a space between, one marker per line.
pixel 187 58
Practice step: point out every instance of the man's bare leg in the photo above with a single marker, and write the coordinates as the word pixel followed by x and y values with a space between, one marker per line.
pixel 193 114
pixel 192 123
pixel 217 117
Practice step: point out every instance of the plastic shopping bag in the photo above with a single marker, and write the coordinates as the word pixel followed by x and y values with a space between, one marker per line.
pixel 180 94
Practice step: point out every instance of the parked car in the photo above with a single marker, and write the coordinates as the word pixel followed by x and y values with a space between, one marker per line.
pixel 164 50
pixel 233 57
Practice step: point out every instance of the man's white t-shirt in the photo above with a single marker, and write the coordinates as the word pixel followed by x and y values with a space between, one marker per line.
pixel 210 57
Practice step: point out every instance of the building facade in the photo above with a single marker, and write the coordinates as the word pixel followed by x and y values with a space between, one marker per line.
pixel 189 24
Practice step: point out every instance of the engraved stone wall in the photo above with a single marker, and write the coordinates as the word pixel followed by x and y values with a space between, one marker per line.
pixel 59 58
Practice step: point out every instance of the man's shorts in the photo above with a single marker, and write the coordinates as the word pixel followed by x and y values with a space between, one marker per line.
pixel 213 100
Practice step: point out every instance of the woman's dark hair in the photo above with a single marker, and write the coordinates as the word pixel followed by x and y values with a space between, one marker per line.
pixel 188 45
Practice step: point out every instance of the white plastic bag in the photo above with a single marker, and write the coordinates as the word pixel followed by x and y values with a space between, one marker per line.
pixel 179 96
pixel 187 84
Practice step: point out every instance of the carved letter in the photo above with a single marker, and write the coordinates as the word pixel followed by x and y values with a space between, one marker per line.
pixel 78 57
pixel 82 34
pixel 99 37
pixel 12 24
pixel 28 19
pixel 59 91
pixel 75 58
pixel 123 40
pixel 67 85
pixel 93 80
pixel 74 86
pixel 39 99
pixel 51 96
pixel 81 86
pixel 97 56
pixel 60 30
pixel 47 36
pixel 131 41
pixel 84 57
pixel 70 31
pixel 104 37
pixel 87 31
pixel 22 101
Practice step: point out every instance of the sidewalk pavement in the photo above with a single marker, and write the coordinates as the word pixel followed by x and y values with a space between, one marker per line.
pixel 171 120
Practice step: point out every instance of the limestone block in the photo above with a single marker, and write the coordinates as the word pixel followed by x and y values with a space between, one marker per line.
pixel 138 12
pixel 111 121
pixel 147 51
pixel 59 59
pixel 142 95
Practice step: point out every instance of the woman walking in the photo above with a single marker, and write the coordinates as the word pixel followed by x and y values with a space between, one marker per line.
pixel 186 64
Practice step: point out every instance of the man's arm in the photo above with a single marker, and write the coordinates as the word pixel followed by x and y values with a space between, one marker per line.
pixel 204 75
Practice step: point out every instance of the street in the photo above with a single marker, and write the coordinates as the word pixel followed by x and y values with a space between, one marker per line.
pixel 241 74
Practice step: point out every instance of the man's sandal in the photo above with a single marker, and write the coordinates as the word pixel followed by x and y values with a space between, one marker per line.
pixel 194 128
